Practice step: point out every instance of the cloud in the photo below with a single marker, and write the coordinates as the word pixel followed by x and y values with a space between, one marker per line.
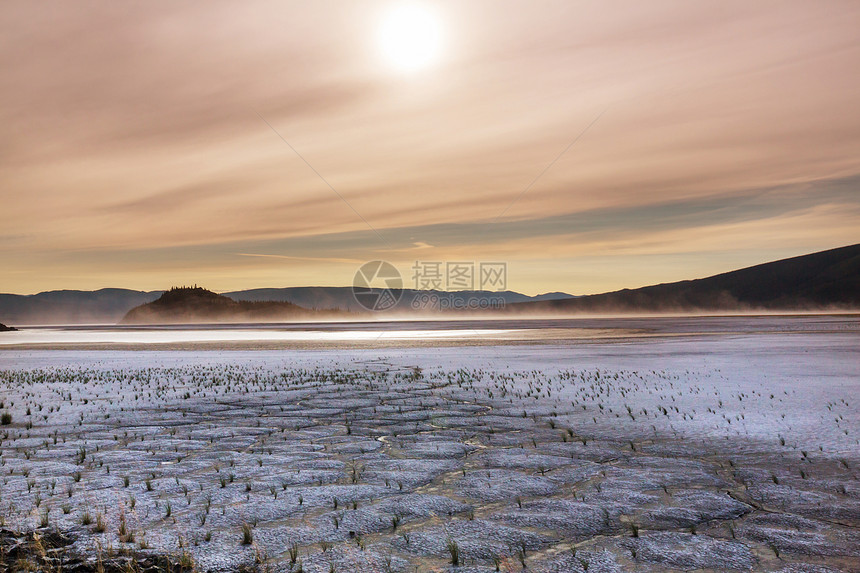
pixel 134 130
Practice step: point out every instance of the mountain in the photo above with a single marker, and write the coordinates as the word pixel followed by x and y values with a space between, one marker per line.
pixel 107 305
pixel 308 297
pixel 194 304
pixel 4 328
pixel 342 297
pixel 827 280
pixel 553 296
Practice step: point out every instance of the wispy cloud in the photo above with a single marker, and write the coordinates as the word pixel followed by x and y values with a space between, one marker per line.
pixel 318 259
pixel 130 140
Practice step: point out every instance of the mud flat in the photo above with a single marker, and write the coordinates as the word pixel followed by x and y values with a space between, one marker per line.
pixel 728 454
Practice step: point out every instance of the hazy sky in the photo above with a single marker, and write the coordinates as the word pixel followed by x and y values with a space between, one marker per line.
pixel 136 149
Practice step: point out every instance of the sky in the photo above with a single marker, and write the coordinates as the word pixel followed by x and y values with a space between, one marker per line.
pixel 590 146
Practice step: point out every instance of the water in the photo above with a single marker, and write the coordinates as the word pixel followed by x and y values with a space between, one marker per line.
pixel 427 332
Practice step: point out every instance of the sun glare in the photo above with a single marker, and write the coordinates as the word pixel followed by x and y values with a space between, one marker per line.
pixel 410 37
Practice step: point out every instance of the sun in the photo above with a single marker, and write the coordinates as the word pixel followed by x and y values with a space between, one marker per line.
pixel 410 37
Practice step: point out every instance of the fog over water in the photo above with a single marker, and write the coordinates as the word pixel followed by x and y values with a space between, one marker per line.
pixel 461 331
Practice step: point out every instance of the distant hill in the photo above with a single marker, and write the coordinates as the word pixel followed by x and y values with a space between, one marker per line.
pixel 109 305
pixel 308 297
pixel 4 328
pixel 553 296
pixel 182 305
pixel 827 280
pixel 342 297
pixel 105 306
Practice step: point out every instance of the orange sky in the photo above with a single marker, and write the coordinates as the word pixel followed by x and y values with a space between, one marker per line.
pixel 133 153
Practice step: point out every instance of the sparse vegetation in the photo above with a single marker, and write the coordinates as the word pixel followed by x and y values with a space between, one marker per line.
pixel 247 534
pixel 493 455
pixel 453 551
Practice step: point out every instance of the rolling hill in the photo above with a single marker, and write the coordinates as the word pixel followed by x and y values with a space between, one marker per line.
pixel 342 297
pixel 110 305
pixel 106 305
pixel 194 304
pixel 827 280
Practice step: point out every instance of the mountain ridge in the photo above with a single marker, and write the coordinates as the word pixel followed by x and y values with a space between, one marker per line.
pixel 109 305
pixel 825 280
